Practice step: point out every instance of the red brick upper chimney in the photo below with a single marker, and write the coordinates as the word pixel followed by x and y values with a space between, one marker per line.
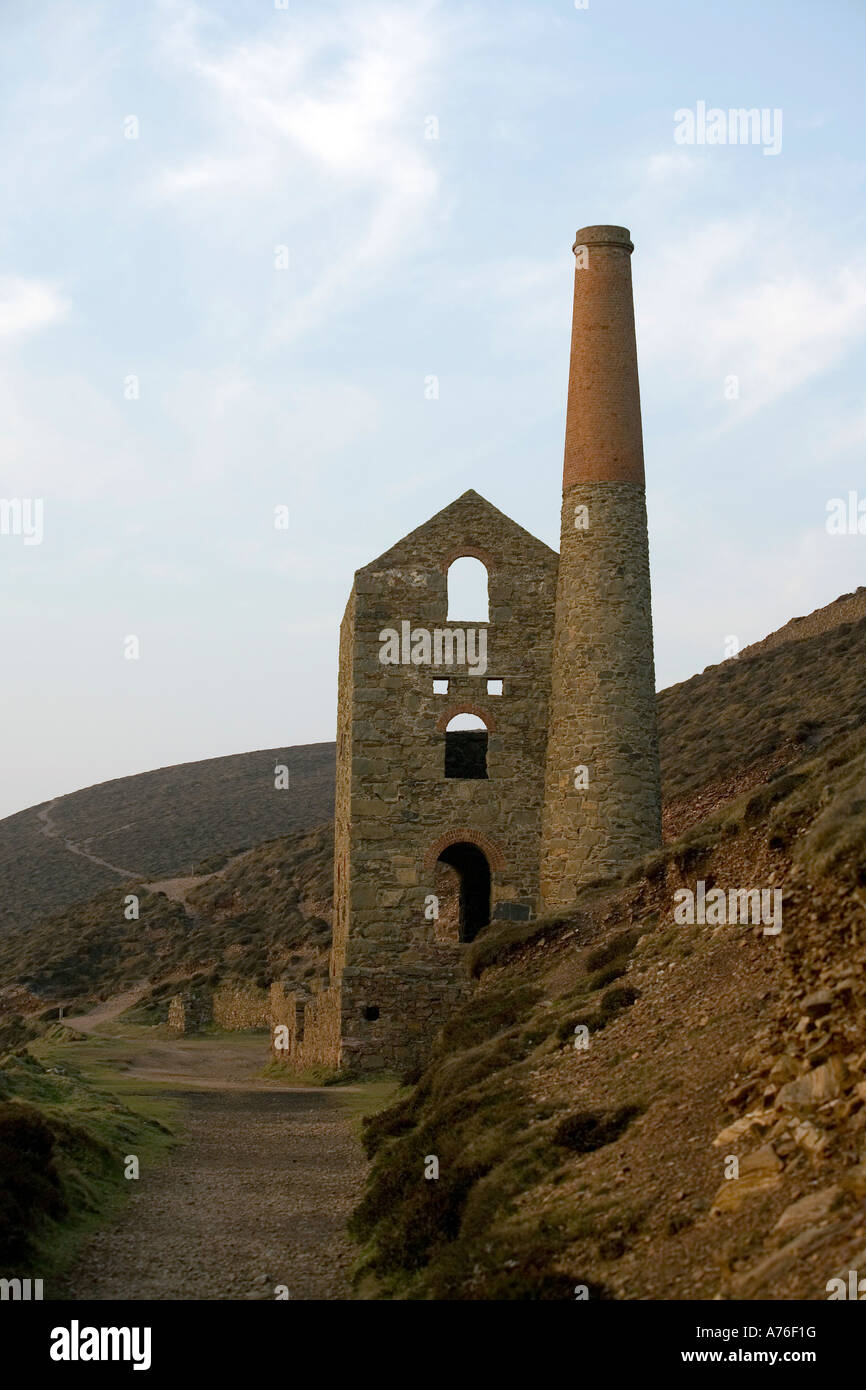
pixel 603 441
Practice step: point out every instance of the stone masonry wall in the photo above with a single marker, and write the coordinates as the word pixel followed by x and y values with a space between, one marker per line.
pixel 315 1036
pixel 188 1012
pixel 315 1031
pixel 237 1007
pixel 395 967
pixel 343 791
pixel 603 706
pixel 399 971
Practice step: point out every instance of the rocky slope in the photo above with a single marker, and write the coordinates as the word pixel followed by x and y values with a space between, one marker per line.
pixel 642 1107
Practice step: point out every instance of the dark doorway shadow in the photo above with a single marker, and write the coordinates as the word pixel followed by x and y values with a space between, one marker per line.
pixel 474 871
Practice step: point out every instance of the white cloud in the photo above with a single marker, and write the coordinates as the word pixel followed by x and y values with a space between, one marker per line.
pixel 522 301
pixel 288 435
pixel 846 434
pixel 322 126
pixel 740 297
pixel 28 305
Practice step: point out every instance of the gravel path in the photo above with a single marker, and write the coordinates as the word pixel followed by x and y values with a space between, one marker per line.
pixel 256 1196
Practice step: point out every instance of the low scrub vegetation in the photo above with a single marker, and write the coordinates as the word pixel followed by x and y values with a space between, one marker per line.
pixel 63 1145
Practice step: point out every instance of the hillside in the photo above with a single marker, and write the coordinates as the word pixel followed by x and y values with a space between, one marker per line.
pixel 585 1104
pixel 712 727
pixel 743 718
pixel 848 608
pixel 264 916
pixel 560 1164
pixel 155 824
pixel 722 731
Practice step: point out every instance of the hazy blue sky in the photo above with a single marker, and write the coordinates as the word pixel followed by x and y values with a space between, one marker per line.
pixel 307 128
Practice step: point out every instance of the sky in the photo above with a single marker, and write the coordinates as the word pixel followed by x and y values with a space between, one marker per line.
pixel 238 241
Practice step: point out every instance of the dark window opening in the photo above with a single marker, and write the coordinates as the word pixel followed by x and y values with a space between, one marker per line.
pixel 371 1012
pixel 466 753
pixel 474 873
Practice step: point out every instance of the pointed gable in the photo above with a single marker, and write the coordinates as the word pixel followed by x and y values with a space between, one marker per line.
pixel 470 525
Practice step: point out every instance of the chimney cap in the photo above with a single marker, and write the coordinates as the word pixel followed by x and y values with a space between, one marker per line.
pixel 604 236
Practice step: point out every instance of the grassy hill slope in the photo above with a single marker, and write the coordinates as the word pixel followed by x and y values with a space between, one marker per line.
pixel 604 1165
pixel 265 916
pixel 713 726
pixel 157 823
pixel 563 1164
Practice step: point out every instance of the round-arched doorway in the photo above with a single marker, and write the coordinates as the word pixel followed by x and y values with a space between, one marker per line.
pixel 467 900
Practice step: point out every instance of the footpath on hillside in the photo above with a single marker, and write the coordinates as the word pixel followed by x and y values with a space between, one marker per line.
pixel 255 1197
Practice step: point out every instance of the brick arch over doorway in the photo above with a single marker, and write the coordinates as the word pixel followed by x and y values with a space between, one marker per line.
pixel 463 835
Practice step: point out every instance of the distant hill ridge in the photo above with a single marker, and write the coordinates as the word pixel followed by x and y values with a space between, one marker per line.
pixel 156 823
pixel 848 608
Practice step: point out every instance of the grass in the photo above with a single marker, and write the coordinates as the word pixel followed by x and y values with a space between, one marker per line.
pixel 365 1098
pixel 100 1060
pixel 453 1235
pixel 63 1145
pixel 497 943
pixel 474 1233
pixel 157 824
pixel 470 1233
pixel 479 1235
pixel 302 1076
pixel 801 694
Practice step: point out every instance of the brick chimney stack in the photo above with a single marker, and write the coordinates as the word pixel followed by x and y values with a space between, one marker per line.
pixel 602 803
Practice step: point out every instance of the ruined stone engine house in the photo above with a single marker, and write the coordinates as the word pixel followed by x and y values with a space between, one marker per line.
pixel 442 830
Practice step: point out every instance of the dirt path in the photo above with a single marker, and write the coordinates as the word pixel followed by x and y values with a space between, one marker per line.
pixel 48 829
pixel 108 1010
pixel 176 888
pixel 179 888
pixel 255 1196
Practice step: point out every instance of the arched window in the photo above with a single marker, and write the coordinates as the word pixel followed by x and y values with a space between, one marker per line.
pixel 466 747
pixel 468 600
